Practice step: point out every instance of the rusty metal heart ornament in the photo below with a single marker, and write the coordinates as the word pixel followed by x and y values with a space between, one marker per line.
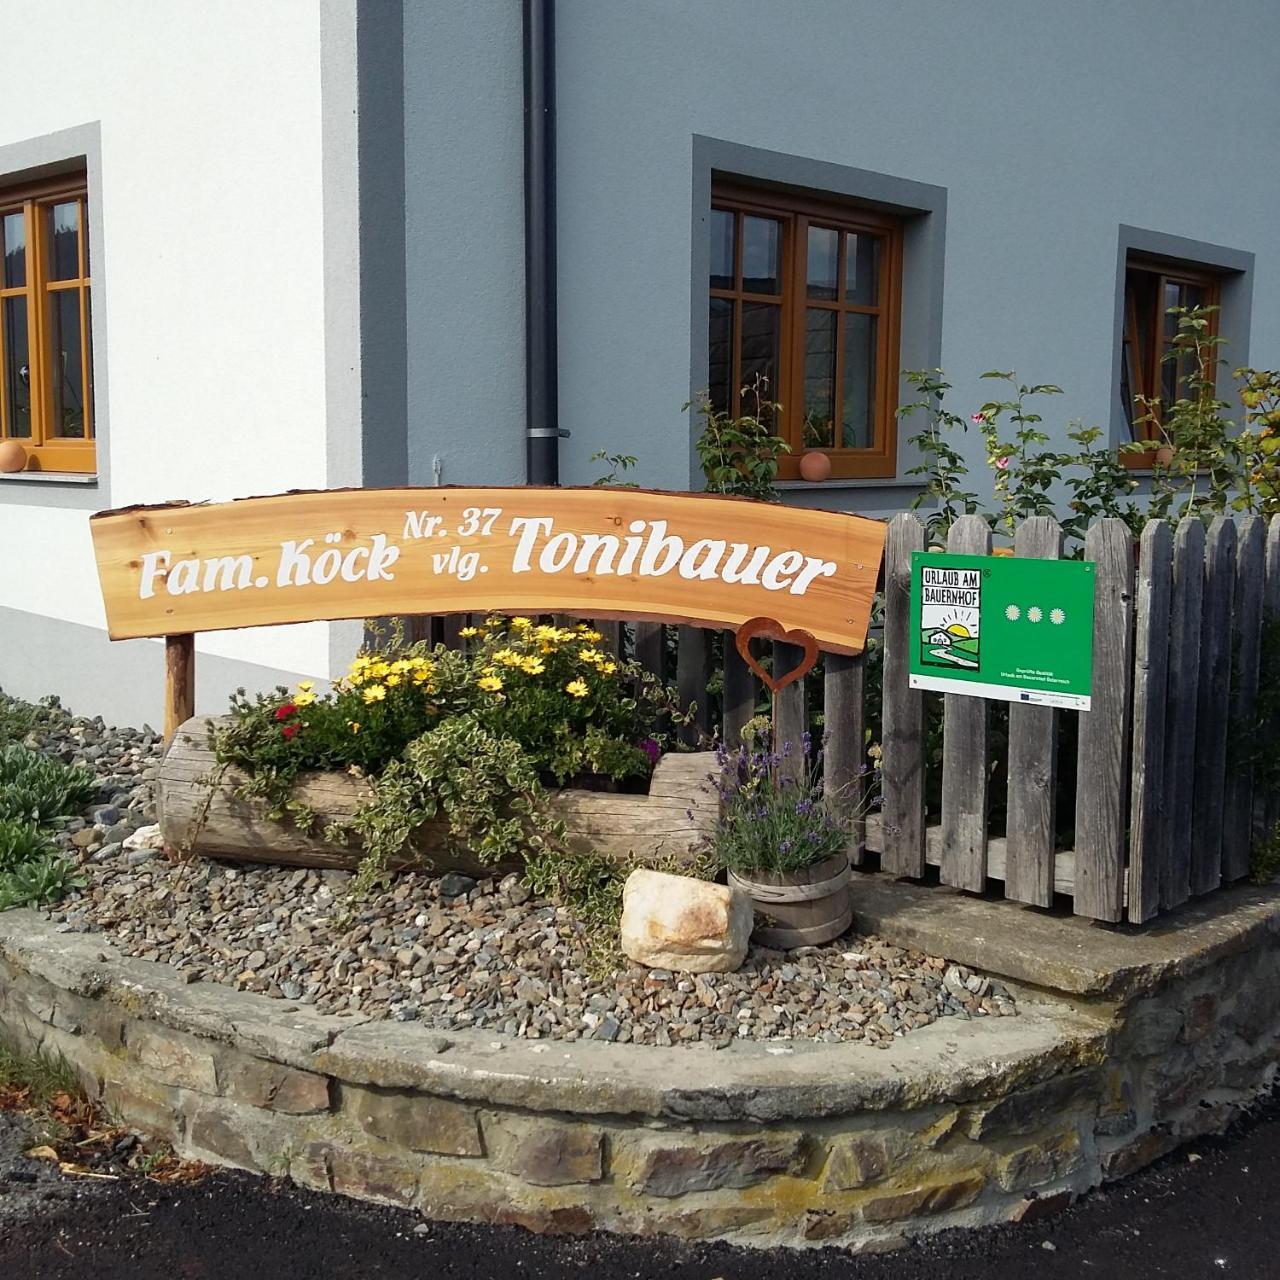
pixel 770 629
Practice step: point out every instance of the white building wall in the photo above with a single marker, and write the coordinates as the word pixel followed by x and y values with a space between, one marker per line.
pixel 209 279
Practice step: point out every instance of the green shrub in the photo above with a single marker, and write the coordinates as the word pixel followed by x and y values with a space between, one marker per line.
pixel 37 788
pixel 21 842
pixel 39 883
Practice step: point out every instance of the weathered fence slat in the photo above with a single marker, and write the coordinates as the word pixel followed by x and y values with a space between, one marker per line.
pixel 1148 822
pixel 791 719
pixel 650 647
pixel 1246 647
pixel 1211 710
pixel 612 633
pixel 964 753
pixel 1033 762
pixel 693 669
pixel 1101 770
pixel 845 750
pixel 1266 807
pixel 1180 709
pixel 902 761
pixel 739 693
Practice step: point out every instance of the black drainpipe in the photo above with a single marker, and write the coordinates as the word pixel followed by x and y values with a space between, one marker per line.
pixel 542 408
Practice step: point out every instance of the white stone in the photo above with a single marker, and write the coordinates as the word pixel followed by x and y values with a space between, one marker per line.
pixel 145 838
pixel 675 922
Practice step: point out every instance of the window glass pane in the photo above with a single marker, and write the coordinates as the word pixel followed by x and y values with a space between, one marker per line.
pixel 720 355
pixel 721 249
pixel 761 330
pixel 857 412
pixel 17 371
pixel 63 223
pixel 13 227
pixel 761 241
pixel 824 260
pixel 66 375
pixel 862 270
pixel 819 378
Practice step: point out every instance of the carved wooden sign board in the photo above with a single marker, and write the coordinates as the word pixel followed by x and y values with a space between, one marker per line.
pixel 598 553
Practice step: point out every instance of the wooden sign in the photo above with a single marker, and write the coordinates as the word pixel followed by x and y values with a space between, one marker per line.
pixel 598 553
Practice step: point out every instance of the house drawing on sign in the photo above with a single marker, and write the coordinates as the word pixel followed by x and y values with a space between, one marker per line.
pixel 322 244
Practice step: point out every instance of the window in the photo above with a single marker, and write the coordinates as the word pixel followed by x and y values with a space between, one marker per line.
pixel 805 293
pixel 46 362
pixel 1150 290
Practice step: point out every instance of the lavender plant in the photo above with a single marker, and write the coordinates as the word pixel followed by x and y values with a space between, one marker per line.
pixel 775 814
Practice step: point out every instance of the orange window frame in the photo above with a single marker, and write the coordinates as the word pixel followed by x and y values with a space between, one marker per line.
pixel 796 213
pixel 1143 341
pixel 47 449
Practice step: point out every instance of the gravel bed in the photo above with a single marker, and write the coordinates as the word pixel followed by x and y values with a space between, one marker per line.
pixel 454 953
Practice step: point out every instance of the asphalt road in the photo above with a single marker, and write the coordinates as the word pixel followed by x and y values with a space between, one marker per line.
pixel 1210 1210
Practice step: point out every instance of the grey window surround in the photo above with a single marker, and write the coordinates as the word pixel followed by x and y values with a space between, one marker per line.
pixel 27 161
pixel 923 208
pixel 1235 266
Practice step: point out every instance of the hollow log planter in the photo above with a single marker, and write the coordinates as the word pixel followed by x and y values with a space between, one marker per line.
pixel 799 908
pixel 200 813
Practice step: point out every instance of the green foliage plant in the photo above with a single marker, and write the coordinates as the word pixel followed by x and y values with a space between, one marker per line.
pixel 22 842
pixel 774 814
pixel 739 456
pixel 1023 470
pixel 38 883
pixel 468 740
pixel 619 464
pixel 34 787
pixel 943 467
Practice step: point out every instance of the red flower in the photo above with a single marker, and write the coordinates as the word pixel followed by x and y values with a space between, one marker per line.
pixel 289 730
pixel 283 713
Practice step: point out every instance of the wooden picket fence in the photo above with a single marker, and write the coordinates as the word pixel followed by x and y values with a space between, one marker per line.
pixel 1165 806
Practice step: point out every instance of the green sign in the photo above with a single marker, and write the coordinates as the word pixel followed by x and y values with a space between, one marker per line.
pixel 1020 630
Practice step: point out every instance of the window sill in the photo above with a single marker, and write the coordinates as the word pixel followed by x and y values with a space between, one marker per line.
pixel 48 477
pixel 853 482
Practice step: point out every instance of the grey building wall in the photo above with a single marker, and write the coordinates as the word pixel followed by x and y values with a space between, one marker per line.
pixel 1049 126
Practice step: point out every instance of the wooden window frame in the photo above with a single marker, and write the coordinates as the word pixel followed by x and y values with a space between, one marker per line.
pixel 1150 367
pixel 47 451
pixel 796 212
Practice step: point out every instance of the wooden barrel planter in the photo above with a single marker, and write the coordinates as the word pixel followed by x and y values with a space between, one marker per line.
pixel 800 908
pixel 200 813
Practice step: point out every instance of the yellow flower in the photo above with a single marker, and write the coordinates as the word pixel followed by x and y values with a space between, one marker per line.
pixel 378 669
pixel 508 657
pixel 490 684
pixel 354 725
pixel 594 636
pixel 594 656
pixel 468 632
pixel 608 668
pixel 544 632
pixel 421 676
pixel 375 693
pixel 304 698
pixel 576 688
pixel 305 686
pixel 533 666
pixel 392 680
pixel 401 665
pixel 521 624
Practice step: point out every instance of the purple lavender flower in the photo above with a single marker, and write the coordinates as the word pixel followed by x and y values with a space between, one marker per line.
pixel 651 749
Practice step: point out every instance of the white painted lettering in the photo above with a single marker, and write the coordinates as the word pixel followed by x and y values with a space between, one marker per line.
pixel 351 570
pixel 710 550
pixel 154 565
pixel 551 561
pixel 381 558
pixel 778 571
pixel 528 527
pixel 184 578
pixel 420 524
pixel 669 548
pixel 295 564
pixel 813 568
pixel 605 544
pixel 227 573
pixel 326 566
pixel 750 576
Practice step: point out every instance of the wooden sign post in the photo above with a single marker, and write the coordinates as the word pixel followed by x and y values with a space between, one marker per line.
pixel 804 576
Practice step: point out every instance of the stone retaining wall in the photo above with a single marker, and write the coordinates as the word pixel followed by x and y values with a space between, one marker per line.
pixel 955 1124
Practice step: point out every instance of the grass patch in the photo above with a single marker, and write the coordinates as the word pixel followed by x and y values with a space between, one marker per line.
pixel 36 1081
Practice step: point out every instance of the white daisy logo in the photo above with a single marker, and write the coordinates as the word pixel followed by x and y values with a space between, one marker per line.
pixel 1057 617
pixel 1034 614
pixel 1012 612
